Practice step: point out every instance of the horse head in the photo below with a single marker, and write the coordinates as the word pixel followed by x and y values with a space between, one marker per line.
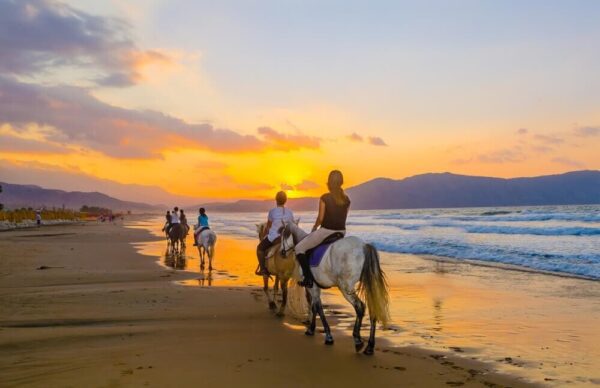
pixel 260 229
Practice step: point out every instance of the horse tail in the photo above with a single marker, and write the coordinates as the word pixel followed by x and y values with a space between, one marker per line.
pixel 373 286
pixel 211 240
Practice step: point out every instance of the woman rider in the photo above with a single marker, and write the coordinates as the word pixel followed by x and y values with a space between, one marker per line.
pixel 183 220
pixel 168 223
pixel 277 216
pixel 333 211
pixel 202 224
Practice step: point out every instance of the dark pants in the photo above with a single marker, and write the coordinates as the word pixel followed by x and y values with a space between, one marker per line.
pixel 261 252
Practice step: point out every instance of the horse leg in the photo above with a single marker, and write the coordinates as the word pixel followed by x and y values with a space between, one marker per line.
pixel 201 257
pixel 209 253
pixel 276 287
pixel 272 304
pixel 315 294
pixel 312 311
pixel 371 344
pixel 328 336
pixel 359 308
pixel 284 296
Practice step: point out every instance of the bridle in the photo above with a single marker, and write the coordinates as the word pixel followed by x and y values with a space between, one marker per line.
pixel 284 247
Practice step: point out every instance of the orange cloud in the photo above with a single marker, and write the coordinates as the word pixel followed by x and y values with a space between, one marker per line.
pixel 288 142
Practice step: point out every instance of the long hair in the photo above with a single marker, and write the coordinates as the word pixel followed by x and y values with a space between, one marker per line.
pixel 334 184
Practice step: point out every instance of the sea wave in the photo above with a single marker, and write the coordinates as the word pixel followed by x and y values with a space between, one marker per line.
pixel 536 231
pixel 586 265
pixel 494 216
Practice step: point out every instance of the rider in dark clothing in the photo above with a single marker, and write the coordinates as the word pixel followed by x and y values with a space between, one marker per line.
pixel 333 211
pixel 168 223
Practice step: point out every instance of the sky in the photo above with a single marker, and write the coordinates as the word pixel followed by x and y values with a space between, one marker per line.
pixel 152 99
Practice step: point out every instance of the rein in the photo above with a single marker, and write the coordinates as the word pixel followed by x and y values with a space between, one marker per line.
pixel 285 249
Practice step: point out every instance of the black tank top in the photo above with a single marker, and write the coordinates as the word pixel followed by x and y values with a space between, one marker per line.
pixel 335 215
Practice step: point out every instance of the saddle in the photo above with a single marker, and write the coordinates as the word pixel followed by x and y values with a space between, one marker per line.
pixel 276 245
pixel 316 254
pixel 200 230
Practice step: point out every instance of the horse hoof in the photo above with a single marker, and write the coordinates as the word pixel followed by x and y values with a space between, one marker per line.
pixel 309 333
pixel 368 351
pixel 272 305
pixel 329 341
pixel 280 314
pixel 358 346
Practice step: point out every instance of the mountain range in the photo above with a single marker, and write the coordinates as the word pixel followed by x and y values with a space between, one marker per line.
pixel 17 196
pixel 435 190
pixel 452 190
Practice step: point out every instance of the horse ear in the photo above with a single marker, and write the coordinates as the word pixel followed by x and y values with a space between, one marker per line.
pixel 297 221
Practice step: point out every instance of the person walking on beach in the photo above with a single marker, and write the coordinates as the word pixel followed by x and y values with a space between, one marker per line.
pixel 202 224
pixel 277 216
pixel 333 211
pixel 38 218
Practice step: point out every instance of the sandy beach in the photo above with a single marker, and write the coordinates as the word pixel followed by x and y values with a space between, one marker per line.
pixel 100 314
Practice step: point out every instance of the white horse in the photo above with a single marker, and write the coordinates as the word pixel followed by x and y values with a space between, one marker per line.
pixel 352 266
pixel 206 246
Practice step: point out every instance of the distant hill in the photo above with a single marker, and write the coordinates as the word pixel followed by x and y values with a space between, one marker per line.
pixel 420 191
pixel 452 190
pixel 16 196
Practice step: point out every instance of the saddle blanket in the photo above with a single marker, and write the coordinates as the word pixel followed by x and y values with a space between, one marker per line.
pixel 316 255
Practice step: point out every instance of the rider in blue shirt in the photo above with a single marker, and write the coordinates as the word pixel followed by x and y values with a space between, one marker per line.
pixel 202 224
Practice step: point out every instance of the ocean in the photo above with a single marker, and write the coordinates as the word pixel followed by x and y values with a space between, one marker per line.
pixel 560 239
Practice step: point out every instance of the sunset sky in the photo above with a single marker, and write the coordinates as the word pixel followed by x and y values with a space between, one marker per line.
pixel 238 99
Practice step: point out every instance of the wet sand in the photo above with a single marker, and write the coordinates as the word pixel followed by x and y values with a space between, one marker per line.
pixel 100 314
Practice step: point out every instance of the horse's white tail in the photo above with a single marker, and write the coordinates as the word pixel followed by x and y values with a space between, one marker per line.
pixel 373 286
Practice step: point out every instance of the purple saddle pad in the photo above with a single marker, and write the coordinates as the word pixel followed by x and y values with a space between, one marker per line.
pixel 317 254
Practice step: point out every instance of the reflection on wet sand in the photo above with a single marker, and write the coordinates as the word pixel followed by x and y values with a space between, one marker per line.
pixel 175 259
pixel 205 279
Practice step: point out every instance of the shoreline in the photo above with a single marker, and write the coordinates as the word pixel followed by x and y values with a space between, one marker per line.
pixel 60 328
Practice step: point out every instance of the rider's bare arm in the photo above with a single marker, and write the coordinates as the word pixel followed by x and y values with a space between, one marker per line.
pixel 319 220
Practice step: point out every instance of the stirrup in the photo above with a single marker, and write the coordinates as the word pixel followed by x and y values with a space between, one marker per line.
pixel 262 273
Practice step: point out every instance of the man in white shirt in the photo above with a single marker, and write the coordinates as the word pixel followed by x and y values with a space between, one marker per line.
pixel 277 216
pixel 175 215
pixel 174 219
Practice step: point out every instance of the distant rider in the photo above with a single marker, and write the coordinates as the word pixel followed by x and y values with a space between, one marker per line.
pixel 183 220
pixel 174 218
pixel 202 224
pixel 168 222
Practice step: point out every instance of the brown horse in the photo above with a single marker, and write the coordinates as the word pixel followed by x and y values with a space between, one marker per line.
pixel 280 265
pixel 177 237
